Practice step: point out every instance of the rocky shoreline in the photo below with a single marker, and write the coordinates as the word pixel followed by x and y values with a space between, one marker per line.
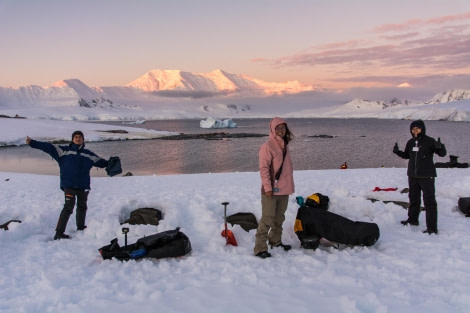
pixel 211 136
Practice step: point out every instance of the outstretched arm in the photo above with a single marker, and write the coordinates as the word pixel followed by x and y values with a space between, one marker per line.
pixel 53 150
pixel 401 154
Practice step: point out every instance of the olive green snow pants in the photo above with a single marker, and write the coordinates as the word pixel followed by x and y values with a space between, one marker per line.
pixel 270 224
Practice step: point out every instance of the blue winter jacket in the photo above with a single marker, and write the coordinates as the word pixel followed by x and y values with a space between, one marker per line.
pixel 75 163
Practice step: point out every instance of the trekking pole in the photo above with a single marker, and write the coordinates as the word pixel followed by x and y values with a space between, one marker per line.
pixel 125 230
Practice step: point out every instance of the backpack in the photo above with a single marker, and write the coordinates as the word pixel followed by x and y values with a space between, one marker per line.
pixel 247 221
pixel 144 216
pixel 464 206
pixel 167 244
pixel 318 200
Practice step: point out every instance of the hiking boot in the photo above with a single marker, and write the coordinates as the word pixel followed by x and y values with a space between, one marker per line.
pixel 410 222
pixel 59 236
pixel 264 254
pixel 430 231
pixel 81 228
pixel 286 247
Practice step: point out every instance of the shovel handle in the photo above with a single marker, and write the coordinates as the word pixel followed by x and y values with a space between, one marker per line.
pixel 225 219
pixel 225 210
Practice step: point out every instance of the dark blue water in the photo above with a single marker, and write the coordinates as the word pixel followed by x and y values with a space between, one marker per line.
pixel 362 143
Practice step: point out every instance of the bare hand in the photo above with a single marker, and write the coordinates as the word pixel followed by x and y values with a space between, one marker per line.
pixel 269 194
pixel 28 140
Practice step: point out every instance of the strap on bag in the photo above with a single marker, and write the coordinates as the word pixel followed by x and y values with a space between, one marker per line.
pixel 279 171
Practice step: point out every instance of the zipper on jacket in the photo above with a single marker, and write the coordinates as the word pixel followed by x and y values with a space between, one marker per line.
pixel 416 158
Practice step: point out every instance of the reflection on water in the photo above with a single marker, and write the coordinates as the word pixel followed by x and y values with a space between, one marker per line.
pixel 362 143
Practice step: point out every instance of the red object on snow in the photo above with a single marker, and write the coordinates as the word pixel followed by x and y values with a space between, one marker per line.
pixel 228 234
pixel 385 189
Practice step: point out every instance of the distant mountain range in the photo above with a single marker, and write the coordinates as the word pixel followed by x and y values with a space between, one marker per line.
pixel 215 82
pixel 166 83
pixel 172 90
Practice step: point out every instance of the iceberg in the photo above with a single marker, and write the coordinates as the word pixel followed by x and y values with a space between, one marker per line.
pixel 211 122
pixel 136 122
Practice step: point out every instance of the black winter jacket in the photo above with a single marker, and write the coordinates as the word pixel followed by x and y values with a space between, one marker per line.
pixel 421 163
pixel 75 163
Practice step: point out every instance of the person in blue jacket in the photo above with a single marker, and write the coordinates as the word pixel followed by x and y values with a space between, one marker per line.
pixel 75 163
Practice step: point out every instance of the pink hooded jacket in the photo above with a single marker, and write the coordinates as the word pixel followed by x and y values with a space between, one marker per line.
pixel 270 160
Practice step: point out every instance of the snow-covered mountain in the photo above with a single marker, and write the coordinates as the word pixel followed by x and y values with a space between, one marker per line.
pixel 163 94
pixel 216 82
pixel 453 105
pixel 164 83
pixel 449 96
pixel 375 104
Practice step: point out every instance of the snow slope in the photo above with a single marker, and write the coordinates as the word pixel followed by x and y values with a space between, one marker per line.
pixel 405 271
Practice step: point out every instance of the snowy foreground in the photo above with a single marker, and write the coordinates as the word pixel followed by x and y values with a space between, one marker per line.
pixel 405 271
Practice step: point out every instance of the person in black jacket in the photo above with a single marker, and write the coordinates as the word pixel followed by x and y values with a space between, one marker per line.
pixel 75 163
pixel 421 174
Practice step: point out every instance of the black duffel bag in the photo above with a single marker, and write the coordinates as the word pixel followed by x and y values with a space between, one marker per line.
pixel 167 244
pixel 314 222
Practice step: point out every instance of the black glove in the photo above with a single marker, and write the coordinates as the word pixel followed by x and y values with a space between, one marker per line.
pixel 395 148
pixel 438 144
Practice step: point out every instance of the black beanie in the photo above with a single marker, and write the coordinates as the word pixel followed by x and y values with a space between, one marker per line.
pixel 78 132
pixel 419 124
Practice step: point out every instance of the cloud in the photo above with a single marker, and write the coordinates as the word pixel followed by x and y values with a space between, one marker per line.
pixel 464 17
pixel 396 53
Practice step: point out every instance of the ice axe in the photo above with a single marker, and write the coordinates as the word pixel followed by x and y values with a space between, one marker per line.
pixel 228 234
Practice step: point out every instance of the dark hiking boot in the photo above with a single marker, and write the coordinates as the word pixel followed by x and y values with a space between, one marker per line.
pixel 285 247
pixel 264 254
pixel 81 228
pixel 430 231
pixel 409 222
pixel 59 236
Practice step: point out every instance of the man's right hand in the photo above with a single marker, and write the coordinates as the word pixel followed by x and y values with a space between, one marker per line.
pixel 269 194
pixel 28 140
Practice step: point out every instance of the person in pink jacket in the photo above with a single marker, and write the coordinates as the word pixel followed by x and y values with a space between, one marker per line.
pixel 277 183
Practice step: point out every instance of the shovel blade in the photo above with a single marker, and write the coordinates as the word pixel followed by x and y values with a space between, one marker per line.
pixel 230 237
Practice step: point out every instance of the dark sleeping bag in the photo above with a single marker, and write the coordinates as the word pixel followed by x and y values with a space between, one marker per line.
pixel 313 223
pixel 167 244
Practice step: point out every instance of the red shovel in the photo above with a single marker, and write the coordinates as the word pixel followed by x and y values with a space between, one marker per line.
pixel 228 234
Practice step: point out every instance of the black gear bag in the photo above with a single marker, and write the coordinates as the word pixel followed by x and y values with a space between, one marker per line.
pixel 315 222
pixel 167 244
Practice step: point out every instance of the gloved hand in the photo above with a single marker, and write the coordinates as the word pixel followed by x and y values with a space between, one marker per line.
pixel 438 144
pixel 395 148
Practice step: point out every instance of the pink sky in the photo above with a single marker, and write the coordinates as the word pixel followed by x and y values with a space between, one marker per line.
pixel 421 44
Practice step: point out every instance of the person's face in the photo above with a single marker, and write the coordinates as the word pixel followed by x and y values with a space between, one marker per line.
pixel 78 140
pixel 416 131
pixel 281 130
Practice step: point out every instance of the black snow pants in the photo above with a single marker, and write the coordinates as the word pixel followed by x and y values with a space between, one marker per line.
pixel 426 186
pixel 70 195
